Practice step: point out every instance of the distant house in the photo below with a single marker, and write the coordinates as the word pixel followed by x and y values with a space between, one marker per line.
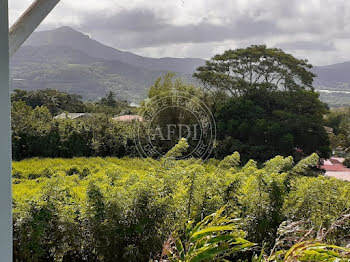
pixel 329 130
pixel 334 167
pixel 73 116
pixel 128 118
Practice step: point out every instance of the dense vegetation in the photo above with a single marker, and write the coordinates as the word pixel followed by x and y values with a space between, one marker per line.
pixel 58 102
pixel 262 100
pixel 35 133
pixel 339 121
pixel 125 209
pixel 122 208
pixel 264 104
pixel 218 238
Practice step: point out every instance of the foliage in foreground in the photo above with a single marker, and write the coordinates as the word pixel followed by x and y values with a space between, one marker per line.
pixel 214 237
pixel 217 238
pixel 109 209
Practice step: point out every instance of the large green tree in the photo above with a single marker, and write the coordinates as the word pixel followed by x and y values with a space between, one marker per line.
pixel 235 72
pixel 264 104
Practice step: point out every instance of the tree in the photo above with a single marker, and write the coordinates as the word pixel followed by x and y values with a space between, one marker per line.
pixel 32 131
pixel 109 100
pixel 55 101
pixel 36 134
pixel 169 108
pixel 339 121
pixel 264 104
pixel 237 71
pixel 265 124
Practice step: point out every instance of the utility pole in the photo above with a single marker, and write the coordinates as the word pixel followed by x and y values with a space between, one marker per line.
pixel 10 41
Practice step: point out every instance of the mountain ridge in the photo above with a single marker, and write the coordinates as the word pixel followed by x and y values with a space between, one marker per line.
pixel 82 42
pixel 71 61
pixel 68 60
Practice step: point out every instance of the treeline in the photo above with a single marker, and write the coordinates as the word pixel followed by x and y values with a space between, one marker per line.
pixel 262 100
pixel 36 133
pixel 57 102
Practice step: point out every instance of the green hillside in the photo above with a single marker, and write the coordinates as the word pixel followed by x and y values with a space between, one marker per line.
pixel 70 61
pixel 72 71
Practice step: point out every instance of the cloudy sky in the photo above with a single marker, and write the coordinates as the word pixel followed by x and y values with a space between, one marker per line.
pixel 315 29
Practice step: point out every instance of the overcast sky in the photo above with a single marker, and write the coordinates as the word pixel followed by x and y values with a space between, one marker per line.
pixel 315 29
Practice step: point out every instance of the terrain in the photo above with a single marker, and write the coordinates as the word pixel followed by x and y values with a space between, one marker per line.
pixel 71 61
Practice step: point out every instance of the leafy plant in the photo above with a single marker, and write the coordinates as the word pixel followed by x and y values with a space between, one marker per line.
pixel 212 239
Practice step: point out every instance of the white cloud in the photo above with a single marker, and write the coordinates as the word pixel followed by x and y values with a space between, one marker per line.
pixel 315 29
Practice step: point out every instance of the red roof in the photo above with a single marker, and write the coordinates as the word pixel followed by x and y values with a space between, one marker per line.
pixel 337 167
pixel 334 164
pixel 334 168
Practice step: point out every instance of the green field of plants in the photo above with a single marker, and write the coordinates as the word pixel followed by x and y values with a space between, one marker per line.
pixel 110 209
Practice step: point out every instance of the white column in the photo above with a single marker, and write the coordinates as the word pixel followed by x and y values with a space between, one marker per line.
pixel 5 140
pixel 28 22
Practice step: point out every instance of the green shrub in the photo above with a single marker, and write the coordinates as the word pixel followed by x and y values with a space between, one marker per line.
pixel 111 209
pixel 347 162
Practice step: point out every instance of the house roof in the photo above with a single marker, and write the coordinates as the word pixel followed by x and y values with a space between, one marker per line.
pixel 72 115
pixel 334 168
pixel 128 118
pixel 339 168
pixel 329 130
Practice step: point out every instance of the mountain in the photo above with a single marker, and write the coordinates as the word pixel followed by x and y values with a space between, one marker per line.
pixel 333 83
pixel 66 36
pixel 333 76
pixel 72 71
pixel 70 61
